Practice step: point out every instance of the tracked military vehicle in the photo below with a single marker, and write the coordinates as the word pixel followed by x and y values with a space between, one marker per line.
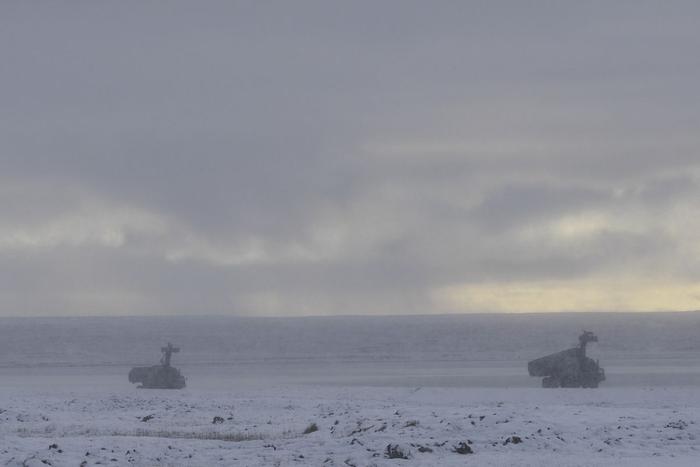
pixel 161 376
pixel 569 368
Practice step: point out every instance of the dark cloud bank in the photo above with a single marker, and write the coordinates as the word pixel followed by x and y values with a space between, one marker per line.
pixel 366 157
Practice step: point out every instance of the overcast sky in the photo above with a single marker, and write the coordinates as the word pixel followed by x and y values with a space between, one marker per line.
pixel 348 157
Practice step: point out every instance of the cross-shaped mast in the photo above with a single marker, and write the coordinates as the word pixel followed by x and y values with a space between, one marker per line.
pixel 167 352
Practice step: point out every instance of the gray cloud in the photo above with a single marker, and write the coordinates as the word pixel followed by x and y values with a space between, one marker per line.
pixel 315 157
pixel 514 204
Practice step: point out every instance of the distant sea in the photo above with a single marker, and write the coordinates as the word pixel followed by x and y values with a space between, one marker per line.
pixel 218 340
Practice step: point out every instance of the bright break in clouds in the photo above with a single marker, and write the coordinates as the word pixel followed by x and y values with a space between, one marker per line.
pixel 287 158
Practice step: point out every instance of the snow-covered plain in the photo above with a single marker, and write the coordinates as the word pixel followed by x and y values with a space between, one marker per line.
pixel 265 426
pixel 73 406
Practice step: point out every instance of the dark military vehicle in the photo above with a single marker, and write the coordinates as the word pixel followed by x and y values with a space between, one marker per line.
pixel 161 376
pixel 569 368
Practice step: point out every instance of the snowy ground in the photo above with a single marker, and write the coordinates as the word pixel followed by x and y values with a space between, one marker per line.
pixel 433 387
pixel 100 420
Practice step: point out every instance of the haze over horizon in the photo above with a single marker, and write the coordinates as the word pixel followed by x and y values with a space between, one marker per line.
pixel 325 158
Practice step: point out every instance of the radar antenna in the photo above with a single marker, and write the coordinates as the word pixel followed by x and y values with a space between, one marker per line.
pixel 167 352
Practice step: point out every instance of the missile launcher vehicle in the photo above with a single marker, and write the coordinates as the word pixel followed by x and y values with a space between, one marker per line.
pixel 161 376
pixel 569 368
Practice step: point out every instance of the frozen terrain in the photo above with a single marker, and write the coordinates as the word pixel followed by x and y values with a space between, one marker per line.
pixel 429 387
pixel 265 426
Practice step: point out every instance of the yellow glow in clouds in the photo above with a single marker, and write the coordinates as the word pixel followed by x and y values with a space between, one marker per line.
pixel 548 296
